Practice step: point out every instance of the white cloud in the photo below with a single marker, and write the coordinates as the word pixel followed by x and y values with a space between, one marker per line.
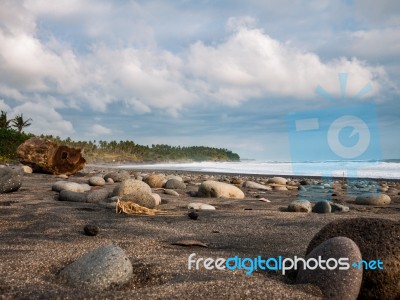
pixel 252 64
pixel 98 130
pixel 46 120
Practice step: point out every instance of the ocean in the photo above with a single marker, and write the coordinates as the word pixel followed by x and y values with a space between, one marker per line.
pixel 359 169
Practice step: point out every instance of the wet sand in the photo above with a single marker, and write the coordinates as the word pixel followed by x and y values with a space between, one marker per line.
pixel 41 235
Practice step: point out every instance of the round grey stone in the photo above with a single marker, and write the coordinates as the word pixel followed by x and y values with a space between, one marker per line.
pixel 322 207
pixel 70 186
pixel 66 195
pixel 97 196
pixel 97 181
pixel 100 269
pixel 334 283
pixel 131 186
pixel 143 199
pixel 175 184
pixel 10 180
pixel 300 206
pixel 118 176
pixel 255 185
pixel 373 199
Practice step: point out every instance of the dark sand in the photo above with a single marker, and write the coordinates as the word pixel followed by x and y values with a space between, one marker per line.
pixel 41 235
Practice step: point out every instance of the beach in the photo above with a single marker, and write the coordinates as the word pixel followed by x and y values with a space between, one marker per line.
pixel 41 235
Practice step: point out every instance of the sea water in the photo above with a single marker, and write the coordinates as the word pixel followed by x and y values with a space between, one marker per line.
pixel 360 169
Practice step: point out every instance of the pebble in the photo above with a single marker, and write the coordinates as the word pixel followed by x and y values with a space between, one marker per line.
pixel 200 206
pixel 175 184
pixel 171 192
pixel 322 207
pixel 373 199
pixel 97 181
pixel 193 215
pixel 70 186
pixel 264 200
pixel 118 176
pixel 143 199
pixel 334 283
pixel 339 207
pixel 157 198
pixel 27 169
pixel 91 230
pixel 96 196
pixel 131 186
pixel 217 189
pixel 66 195
pixel 155 180
pixel 300 206
pixel 101 269
pixel 255 185
pixel 277 180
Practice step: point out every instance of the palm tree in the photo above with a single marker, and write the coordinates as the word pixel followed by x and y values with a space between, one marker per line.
pixel 20 123
pixel 4 121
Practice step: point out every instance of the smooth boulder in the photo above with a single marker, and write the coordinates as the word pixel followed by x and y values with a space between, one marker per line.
pixel 175 184
pixel 300 206
pixel 101 269
pixel 66 195
pixel 277 180
pixel 131 186
pixel 373 199
pixel 143 199
pixel 155 180
pixel 97 196
pixel 10 180
pixel 254 185
pixel 210 188
pixel 97 181
pixel 200 206
pixel 70 186
pixel 333 282
pixel 118 176
pixel 377 239
pixel 322 207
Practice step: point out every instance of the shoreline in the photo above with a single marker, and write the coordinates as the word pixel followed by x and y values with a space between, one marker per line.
pixel 41 235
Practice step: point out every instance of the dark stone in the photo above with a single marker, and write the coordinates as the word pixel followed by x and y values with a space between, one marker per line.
pixel 377 239
pixel 322 207
pixel 334 283
pixel 175 184
pixel 10 180
pixel 193 215
pixel 96 196
pixel 303 182
pixel 91 230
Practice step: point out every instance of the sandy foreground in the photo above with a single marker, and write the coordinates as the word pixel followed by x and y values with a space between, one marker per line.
pixel 40 236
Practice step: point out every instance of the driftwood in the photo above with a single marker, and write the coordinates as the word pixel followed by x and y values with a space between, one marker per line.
pixel 45 156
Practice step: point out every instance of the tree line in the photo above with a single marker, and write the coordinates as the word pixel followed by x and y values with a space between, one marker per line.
pixel 12 135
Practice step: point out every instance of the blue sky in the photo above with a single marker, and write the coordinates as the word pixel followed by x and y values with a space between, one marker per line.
pixel 215 73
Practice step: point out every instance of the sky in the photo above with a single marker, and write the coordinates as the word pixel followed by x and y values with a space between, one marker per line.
pixel 227 74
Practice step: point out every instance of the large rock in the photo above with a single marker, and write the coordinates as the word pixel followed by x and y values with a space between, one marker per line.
pixel 277 180
pixel 118 176
pixel 210 188
pixel 334 283
pixel 131 186
pixel 300 206
pixel 10 180
pixel 377 239
pixel 373 199
pixel 45 156
pixel 155 180
pixel 100 269
pixel 143 199
pixel 175 184
pixel 255 185
pixel 70 186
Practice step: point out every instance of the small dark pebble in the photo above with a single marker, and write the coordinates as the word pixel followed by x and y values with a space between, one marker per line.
pixel 248 209
pixel 334 195
pixel 192 193
pixel 91 230
pixel 193 215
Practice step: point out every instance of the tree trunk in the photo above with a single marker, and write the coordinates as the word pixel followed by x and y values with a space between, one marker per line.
pixel 45 156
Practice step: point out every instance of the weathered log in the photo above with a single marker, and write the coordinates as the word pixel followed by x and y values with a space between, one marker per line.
pixel 45 156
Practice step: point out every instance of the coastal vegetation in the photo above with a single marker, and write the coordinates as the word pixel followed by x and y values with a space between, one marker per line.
pixel 12 135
